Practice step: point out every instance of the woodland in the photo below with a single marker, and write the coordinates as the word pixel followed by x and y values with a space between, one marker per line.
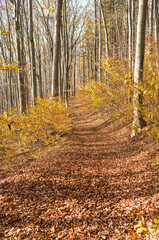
pixel 79 119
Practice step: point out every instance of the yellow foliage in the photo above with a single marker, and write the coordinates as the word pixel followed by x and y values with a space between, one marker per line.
pixel 149 227
pixel 109 98
pixel 5 66
pixel 114 96
pixel 4 33
pixel 150 87
pixel 41 125
pixel 49 6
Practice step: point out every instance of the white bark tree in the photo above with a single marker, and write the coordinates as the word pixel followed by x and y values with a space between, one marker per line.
pixel 156 20
pixel 33 64
pixel 138 121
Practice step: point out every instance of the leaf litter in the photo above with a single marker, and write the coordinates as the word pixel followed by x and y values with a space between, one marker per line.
pixel 96 188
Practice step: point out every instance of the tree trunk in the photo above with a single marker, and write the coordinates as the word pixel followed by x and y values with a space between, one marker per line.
pixel 57 44
pixel 130 44
pixel 21 86
pixel 156 21
pixel 130 34
pixel 150 18
pixel 105 30
pixel 33 64
pixel 100 47
pixel 96 45
pixel 138 121
pixel 10 59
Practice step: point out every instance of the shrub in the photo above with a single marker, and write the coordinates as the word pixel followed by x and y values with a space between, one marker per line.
pixel 40 125
pixel 147 227
pixel 109 98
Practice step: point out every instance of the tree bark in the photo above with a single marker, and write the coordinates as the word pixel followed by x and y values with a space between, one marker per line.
pixel 130 34
pixel 105 30
pixel 150 18
pixel 96 45
pixel 100 47
pixel 156 21
pixel 21 86
pixel 57 44
pixel 130 24
pixel 138 121
pixel 33 64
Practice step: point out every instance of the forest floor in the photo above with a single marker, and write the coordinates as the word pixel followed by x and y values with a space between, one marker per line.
pixel 95 188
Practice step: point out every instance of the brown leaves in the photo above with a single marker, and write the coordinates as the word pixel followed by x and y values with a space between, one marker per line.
pixel 94 189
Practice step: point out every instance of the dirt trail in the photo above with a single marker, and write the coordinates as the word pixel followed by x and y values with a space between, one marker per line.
pixel 93 189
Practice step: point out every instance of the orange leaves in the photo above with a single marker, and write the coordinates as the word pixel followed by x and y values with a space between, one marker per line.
pixel 94 189
pixel 4 33
pixel 3 199
pixel 5 66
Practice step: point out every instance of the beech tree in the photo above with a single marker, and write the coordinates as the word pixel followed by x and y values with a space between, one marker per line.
pixel 138 121
pixel 33 64
pixel 156 21
pixel 105 28
pixel 57 45
pixel 20 54
pixel 96 39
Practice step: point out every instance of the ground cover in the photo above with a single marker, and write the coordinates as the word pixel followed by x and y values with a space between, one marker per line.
pixel 98 187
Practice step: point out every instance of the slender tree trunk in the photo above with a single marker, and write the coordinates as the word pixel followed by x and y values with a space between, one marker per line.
pixel 138 121
pixel 10 59
pixel 19 58
pixel 44 70
pixel 96 45
pixel 105 30
pixel 91 64
pixel 84 70
pixel 57 44
pixel 40 71
pixel 119 32
pixel 74 75
pixel 88 62
pixel 100 47
pixel 33 64
pixel 130 43
pixel 28 88
pixel 150 18
pixel 133 30
pixel 156 21
pixel 130 34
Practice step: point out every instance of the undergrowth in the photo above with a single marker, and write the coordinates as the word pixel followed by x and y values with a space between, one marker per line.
pixel 41 125
pixel 113 97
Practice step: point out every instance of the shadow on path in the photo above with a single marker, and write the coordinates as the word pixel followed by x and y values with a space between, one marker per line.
pixel 100 182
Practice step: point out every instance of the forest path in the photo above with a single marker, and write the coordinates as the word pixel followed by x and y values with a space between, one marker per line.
pixel 93 189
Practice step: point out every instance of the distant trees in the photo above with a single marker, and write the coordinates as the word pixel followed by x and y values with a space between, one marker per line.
pixel 43 51
pixel 56 47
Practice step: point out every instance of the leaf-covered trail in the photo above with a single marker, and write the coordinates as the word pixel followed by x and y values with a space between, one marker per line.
pixel 93 189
